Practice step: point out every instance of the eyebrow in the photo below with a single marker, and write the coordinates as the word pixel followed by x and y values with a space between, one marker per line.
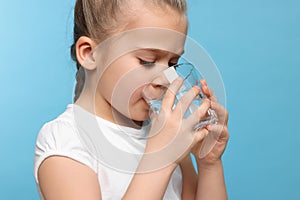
pixel 160 51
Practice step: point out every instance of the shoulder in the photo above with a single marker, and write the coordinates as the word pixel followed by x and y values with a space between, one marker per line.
pixel 59 137
pixel 58 133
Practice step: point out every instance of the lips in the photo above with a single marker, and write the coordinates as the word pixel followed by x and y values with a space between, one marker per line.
pixel 146 104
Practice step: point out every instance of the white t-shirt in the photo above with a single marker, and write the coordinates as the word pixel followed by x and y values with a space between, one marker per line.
pixel 62 137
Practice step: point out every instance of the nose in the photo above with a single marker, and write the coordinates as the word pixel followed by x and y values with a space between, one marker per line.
pixel 154 91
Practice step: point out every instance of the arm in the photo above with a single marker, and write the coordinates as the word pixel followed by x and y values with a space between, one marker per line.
pixel 208 184
pixel 168 126
pixel 151 185
pixel 189 179
pixel 211 185
pixel 62 178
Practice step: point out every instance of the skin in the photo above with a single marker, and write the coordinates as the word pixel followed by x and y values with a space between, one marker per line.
pixel 64 178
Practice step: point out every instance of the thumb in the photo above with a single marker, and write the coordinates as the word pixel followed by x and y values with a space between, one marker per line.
pixel 198 139
pixel 200 135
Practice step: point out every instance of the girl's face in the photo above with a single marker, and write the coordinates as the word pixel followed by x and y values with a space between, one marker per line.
pixel 119 92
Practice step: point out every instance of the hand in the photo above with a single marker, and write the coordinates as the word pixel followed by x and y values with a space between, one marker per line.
pixel 220 130
pixel 171 136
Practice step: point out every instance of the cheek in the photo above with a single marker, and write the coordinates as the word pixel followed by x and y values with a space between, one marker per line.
pixel 112 83
pixel 125 93
pixel 106 86
pixel 136 95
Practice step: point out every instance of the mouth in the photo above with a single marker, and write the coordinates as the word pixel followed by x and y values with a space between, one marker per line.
pixel 147 105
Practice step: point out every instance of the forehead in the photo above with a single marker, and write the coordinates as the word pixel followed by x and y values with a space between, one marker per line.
pixel 141 14
pixel 141 38
pixel 147 27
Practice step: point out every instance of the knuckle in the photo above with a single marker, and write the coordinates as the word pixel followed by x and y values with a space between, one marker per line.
pixel 226 132
pixel 225 129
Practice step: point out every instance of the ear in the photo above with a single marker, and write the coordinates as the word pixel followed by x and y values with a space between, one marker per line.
pixel 84 52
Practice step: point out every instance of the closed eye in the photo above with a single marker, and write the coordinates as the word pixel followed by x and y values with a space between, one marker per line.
pixel 147 63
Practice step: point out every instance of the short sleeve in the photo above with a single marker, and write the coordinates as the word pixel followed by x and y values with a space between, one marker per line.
pixel 59 138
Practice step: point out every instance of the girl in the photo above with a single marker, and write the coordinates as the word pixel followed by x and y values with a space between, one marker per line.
pixel 110 82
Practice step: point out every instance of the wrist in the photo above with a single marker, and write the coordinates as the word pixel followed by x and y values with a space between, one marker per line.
pixel 155 161
pixel 209 165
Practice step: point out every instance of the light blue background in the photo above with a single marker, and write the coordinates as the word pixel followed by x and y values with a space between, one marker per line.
pixel 256 45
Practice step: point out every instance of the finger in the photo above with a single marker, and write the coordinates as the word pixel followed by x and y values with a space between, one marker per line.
pixel 199 136
pixel 203 82
pixel 207 91
pixel 212 95
pixel 219 132
pixel 204 87
pixel 186 100
pixel 221 112
pixel 169 98
pixel 198 140
pixel 199 113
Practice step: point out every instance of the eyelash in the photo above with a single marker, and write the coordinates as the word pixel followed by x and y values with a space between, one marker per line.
pixel 146 63
pixel 150 64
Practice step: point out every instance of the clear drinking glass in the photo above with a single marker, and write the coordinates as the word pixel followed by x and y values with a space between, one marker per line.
pixel 155 90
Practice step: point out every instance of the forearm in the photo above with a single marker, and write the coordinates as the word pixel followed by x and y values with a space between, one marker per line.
pixel 150 185
pixel 211 183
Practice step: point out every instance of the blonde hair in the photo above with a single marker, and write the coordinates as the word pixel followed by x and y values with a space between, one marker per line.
pixel 98 19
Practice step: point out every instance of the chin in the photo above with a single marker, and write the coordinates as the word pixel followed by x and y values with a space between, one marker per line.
pixel 141 116
pixel 139 111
